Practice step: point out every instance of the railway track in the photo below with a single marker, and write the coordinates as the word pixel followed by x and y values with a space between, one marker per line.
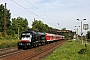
pixel 47 51
pixel 10 53
pixel 7 50
pixel 32 54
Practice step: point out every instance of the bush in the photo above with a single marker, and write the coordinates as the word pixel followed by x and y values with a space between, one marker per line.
pixel 8 43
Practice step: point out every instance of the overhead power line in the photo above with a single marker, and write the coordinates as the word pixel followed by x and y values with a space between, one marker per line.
pixel 38 10
pixel 31 11
pixel 24 7
pixel 36 7
pixel 27 9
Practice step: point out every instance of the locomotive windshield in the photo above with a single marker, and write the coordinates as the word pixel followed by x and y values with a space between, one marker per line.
pixel 25 35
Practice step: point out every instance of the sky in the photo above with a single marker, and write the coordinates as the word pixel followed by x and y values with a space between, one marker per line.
pixel 55 13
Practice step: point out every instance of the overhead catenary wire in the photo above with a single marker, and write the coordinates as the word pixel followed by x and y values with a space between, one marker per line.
pixel 32 12
pixel 27 9
pixel 39 10
pixel 35 7
pixel 23 7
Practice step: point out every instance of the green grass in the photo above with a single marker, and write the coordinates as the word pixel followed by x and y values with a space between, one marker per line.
pixel 71 51
pixel 38 50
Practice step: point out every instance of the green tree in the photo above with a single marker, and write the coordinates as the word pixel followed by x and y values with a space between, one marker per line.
pixel 19 24
pixel 8 16
pixel 88 35
pixel 39 26
pixel 63 28
pixel 34 24
pixel 46 27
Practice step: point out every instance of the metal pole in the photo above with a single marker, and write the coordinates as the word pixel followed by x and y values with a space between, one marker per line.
pixel 86 36
pixel 81 32
pixel 18 32
pixel 5 21
pixel 77 33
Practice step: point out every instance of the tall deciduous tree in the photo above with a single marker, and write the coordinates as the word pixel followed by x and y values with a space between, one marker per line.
pixel 8 16
pixel 19 24
pixel 40 26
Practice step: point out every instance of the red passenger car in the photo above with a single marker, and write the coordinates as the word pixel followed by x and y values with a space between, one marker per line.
pixel 53 37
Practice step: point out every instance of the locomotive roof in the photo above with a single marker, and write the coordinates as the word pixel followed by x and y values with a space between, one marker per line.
pixel 40 33
pixel 28 31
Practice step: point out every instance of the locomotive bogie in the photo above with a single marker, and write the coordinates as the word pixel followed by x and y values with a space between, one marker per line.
pixel 24 45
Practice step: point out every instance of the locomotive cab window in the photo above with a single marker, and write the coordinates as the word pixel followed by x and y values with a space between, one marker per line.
pixel 25 35
pixel 42 37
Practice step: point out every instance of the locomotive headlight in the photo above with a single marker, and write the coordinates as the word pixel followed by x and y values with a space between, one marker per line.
pixel 20 44
pixel 28 43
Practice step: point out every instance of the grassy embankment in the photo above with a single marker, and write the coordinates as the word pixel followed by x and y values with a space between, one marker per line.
pixel 71 50
pixel 8 43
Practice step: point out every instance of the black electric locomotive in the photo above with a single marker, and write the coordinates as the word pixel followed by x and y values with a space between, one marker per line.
pixel 30 39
